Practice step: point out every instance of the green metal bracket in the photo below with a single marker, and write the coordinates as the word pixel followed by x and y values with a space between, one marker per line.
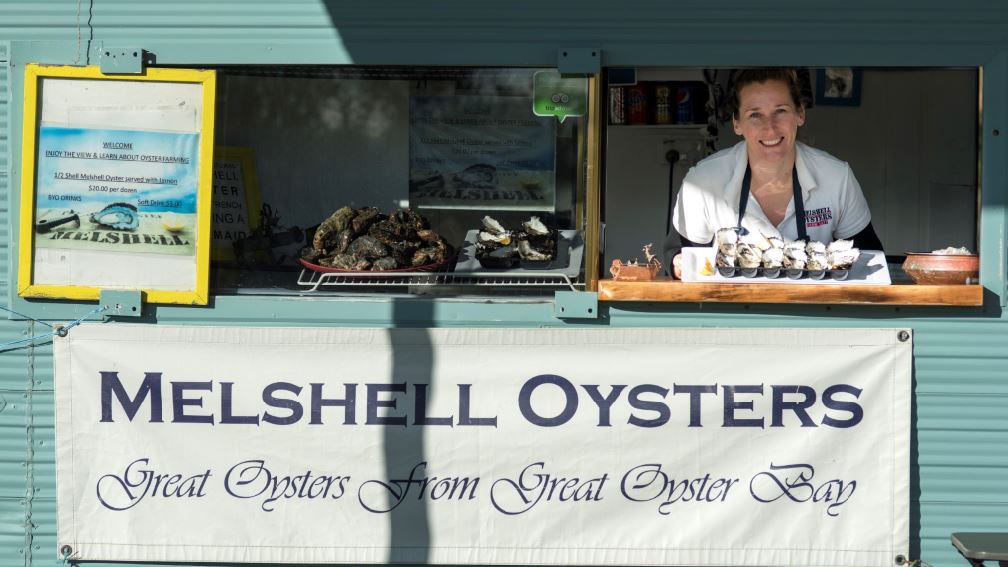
pixel 575 305
pixel 121 303
pixel 579 60
pixel 123 60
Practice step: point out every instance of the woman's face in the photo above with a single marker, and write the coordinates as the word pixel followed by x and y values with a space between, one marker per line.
pixel 769 121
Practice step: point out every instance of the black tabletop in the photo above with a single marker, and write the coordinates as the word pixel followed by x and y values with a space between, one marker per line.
pixel 982 545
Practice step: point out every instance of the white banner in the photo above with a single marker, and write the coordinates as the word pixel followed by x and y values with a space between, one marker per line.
pixel 472 446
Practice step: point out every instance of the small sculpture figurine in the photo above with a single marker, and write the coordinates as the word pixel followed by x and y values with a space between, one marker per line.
pixel 634 271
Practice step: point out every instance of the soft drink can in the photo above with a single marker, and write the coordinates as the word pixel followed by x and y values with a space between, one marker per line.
pixel 663 104
pixel 617 106
pixel 637 105
pixel 684 105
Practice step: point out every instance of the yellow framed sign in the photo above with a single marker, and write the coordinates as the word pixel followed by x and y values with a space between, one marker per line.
pixel 237 203
pixel 116 183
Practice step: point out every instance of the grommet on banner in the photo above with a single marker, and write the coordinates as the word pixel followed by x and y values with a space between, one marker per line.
pixel 66 551
pixel 902 560
pixel 903 337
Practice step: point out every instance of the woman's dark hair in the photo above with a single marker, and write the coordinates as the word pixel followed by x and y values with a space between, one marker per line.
pixel 743 77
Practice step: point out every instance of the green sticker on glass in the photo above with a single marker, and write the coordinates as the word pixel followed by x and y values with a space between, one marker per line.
pixel 555 95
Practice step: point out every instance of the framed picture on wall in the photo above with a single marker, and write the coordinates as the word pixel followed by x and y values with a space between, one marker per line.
pixel 838 86
pixel 116 183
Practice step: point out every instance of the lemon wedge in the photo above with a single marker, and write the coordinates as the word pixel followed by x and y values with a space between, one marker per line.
pixel 707 269
pixel 173 222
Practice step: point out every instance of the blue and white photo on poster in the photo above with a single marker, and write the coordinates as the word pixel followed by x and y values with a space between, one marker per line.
pixel 487 152
pixel 125 190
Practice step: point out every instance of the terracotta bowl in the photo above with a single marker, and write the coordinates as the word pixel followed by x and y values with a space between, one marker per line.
pixel 943 269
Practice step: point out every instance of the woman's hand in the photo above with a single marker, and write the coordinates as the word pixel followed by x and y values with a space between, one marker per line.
pixel 677 266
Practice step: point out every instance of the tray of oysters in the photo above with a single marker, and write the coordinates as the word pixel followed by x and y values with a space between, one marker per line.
pixel 532 246
pixel 750 254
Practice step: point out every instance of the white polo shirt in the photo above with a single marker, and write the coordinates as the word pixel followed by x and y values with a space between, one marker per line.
pixel 709 198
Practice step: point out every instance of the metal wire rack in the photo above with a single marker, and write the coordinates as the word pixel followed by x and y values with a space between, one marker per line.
pixel 311 280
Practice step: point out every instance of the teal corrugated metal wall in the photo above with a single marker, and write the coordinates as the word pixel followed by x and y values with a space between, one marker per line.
pixel 960 466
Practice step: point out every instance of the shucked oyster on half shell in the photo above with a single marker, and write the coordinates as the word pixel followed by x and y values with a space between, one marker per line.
pixel 526 252
pixel 773 258
pixel 775 241
pixel 757 240
pixel 748 256
pixel 492 226
pixel 724 260
pixel 843 259
pixel 503 238
pixel 795 258
pixel 817 261
pixel 815 247
pixel 535 227
pixel 725 240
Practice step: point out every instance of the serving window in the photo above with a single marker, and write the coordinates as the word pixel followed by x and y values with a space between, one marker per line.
pixel 910 137
pixel 387 180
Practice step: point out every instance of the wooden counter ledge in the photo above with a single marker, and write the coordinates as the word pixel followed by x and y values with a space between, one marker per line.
pixel 688 292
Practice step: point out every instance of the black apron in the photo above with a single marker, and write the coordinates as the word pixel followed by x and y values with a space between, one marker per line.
pixel 799 205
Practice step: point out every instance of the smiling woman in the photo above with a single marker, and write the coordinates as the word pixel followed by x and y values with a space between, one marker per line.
pixel 770 183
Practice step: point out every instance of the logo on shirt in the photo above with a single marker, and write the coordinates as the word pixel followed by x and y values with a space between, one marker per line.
pixel 818 217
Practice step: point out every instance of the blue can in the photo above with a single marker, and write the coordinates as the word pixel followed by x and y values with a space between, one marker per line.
pixel 684 104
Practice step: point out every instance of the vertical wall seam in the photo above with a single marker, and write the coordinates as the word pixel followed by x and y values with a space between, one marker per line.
pixel 29 528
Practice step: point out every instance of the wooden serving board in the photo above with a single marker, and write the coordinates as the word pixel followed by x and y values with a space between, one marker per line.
pixel 667 289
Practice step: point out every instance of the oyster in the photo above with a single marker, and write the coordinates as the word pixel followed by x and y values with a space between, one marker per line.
pixel 815 247
pixel 492 226
pixel 367 247
pixel 526 252
pixel 535 227
pixel 326 233
pixel 409 218
pixel 503 239
pixel 346 262
pixel 843 259
pixel 343 240
pixel 795 258
pixel 364 219
pixel 118 216
pixel 756 239
pixel 479 176
pixel 402 252
pixel 773 258
pixel 386 263
pixel 795 245
pixel 748 256
pixel 431 255
pixel 428 236
pixel 726 240
pixel 724 260
pixel 775 241
pixel 817 261
pixel 388 230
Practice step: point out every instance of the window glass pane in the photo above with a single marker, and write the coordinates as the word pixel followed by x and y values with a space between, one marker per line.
pixel 908 134
pixel 451 145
